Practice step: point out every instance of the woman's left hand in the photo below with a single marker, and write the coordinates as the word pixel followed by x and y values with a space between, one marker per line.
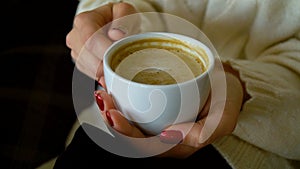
pixel 192 141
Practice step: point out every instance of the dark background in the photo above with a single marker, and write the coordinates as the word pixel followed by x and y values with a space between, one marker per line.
pixel 36 81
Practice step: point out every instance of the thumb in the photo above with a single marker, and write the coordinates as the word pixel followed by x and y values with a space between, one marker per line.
pixel 203 132
pixel 184 133
pixel 197 134
pixel 126 21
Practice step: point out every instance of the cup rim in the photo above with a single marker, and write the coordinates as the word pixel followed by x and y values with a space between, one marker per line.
pixel 208 51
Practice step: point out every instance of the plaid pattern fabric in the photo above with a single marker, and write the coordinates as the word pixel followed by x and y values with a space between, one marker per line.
pixel 36 104
pixel 36 81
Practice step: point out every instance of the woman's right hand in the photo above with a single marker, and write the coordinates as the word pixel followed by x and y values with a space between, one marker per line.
pixel 110 24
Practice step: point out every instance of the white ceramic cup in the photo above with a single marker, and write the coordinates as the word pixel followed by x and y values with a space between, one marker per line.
pixel 155 107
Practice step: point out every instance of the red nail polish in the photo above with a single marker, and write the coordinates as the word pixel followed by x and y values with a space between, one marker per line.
pixel 99 101
pixel 108 117
pixel 171 137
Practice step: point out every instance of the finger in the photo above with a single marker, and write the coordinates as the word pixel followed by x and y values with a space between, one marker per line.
pixel 97 44
pixel 205 109
pixel 90 42
pixel 197 134
pixel 113 117
pixel 90 65
pixel 91 25
pixel 226 118
pixel 68 39
pixel 92 54
pixel 205 131
pixel 89 22
pixel 74 55
pixel 100 71
pixel 74 43
pixel 123 23
pixel 185 134
pixel 116 120
pixel 102 83
pixel 104 101
pixel 223 114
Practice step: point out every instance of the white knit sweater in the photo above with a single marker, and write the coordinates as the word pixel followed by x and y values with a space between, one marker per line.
pixel 260 39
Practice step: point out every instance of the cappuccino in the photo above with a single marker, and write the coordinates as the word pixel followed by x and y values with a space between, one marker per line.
pixel 158 79
pixel 159 61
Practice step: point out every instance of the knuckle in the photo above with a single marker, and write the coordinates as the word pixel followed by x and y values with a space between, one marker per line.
pixel 194 138
pixel 200 143
pixel 123 6
pixel 68 40
pixel 74 55
pixel 79 19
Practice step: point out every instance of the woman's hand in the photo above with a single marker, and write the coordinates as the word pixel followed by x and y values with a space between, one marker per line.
pixel 87 50
pixel 193 140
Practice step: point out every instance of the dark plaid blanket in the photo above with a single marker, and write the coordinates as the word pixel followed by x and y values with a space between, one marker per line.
pixel 36 104
pixel 36 81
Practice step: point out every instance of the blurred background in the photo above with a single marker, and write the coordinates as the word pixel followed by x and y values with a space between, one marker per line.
pixel 36 81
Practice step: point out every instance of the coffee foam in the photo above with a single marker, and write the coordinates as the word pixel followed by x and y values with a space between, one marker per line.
pixel 153 58
pixel 178 59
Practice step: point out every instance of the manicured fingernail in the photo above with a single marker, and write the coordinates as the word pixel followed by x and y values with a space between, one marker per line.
pixel 171 137
pixel 108 117
pixel 99 101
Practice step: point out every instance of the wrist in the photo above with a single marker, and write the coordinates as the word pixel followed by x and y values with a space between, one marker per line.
pixel 228 69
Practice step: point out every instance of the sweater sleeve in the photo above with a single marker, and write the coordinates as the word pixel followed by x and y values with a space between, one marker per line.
pixel 270 119
pixel 140 5
pixel 263 44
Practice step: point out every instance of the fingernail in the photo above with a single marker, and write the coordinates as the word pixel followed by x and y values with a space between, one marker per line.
pixel 108 117
pixel 99 101
pixel 171 137
pixel 120 29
